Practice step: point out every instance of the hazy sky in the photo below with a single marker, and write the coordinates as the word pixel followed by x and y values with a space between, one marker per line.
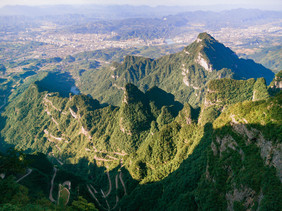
pixel 143 2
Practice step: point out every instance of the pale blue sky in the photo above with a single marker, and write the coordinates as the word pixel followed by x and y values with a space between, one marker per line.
pixel 144 2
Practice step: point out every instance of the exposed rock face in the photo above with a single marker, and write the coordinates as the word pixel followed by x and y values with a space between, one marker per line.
pixel 244 194
pixel 198 40
pixel 278 84
pixel 224 143
pixel 125 98
pixel 185 81
pixel 203 62
pixel 270 152
pixel 184 73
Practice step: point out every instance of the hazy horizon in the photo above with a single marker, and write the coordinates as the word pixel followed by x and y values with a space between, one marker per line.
pixel 250 4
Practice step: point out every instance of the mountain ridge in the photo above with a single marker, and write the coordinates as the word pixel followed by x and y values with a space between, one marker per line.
pixel 184 74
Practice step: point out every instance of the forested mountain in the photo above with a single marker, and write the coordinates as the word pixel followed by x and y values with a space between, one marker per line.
pixel 152 152
pixel 131 107
pixel 269 57
pixel 184 74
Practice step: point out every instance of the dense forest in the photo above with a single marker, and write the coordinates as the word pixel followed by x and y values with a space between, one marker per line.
pixel 152 152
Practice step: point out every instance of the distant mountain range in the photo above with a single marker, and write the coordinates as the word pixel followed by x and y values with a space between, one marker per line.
pixel 131 21
pixel 116 11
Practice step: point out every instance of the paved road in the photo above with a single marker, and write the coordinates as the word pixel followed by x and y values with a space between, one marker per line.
pixel 52 184
pixel 28 173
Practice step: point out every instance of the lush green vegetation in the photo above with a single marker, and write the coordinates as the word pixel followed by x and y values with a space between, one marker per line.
pixel 184 74
pixel 275 85
pixel 63 195
pixel 153 152
pixel 181 74
pixel 224 92
pixel 31 192
pixel 260 90
pixel 157 153
pixel 229 91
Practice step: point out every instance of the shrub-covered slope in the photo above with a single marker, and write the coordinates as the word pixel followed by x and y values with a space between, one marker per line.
pixel 223 92
pixel 235 166
pixel 78 126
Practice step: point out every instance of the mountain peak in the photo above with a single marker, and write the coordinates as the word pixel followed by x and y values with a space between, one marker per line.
pixel 132 94
pixel 205 37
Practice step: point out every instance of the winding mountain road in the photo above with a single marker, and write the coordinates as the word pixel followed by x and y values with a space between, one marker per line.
pixel 110 185
pixel 93 189
pixel 118 177
pixel 94 197
pixel 52 184
pixel 51 103
pixel 121 180
pixel 105 200
pixel 28 173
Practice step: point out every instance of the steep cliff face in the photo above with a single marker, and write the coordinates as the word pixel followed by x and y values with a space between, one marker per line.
pixel 277 82
pixel 135 113
pixel 245 151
